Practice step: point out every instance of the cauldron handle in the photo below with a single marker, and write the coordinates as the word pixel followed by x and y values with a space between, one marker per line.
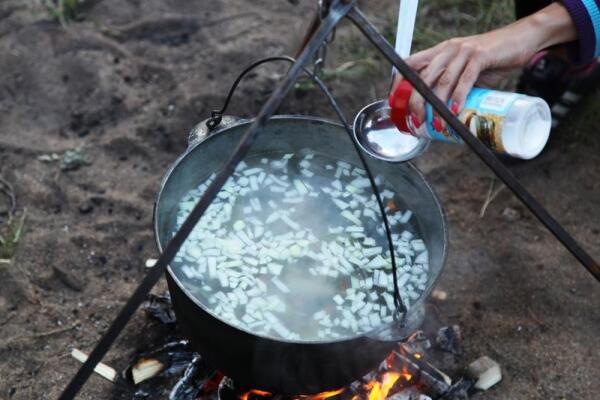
pixel 203 130
pixel 218 119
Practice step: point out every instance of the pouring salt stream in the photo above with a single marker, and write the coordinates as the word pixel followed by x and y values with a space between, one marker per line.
pixel 294 248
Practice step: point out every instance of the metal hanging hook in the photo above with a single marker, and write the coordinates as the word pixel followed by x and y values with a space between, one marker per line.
pixel 321 54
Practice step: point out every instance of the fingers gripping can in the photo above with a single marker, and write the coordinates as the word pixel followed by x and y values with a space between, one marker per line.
pixel 508 123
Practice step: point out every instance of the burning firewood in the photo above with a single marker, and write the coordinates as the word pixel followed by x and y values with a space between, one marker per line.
pixel 193 381
pixel 434 382
pixel 170 359
pixel 145 369
pixel 417 343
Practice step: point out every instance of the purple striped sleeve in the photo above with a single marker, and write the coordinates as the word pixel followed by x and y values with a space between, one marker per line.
pixel 583 51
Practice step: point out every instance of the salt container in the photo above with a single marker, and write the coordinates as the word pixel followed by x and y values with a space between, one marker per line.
pixel 509 123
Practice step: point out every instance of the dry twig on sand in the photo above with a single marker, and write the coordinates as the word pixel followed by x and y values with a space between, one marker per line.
pixel 38 335
pixel 491 195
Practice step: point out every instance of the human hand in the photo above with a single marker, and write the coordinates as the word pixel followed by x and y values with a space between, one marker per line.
pixel 453 67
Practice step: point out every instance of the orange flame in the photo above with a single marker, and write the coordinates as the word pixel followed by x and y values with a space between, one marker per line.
pixel 257 392
pixel 380 390
pixel 318 396
pixel 323 395
pixel 376 389
pixel 406 374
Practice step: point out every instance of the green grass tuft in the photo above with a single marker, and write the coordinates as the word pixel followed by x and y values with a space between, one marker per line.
pixel 63 10
pixel 10 236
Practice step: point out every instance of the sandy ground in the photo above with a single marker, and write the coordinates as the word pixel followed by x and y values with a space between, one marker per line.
pixel 129 79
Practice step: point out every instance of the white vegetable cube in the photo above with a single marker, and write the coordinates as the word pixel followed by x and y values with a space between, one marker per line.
pixel 406 217
pixel 374 320
pixel 280 285
pixel 422 258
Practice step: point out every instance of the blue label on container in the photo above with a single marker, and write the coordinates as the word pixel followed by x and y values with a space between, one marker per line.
pixel 483 114
pixel 490 101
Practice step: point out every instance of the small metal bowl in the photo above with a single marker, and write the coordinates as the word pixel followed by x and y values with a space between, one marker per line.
pixel 377 135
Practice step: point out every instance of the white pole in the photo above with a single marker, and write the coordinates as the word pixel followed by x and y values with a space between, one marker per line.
pixel 406 27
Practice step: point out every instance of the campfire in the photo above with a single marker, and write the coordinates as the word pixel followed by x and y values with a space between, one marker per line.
pixel 406 374
pixel 392 376
pixel 399 377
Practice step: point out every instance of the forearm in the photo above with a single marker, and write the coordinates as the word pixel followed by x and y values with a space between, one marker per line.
pixel 553 25
pixel 515 43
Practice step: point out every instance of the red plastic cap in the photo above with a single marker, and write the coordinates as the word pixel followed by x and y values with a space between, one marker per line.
pixel 398 101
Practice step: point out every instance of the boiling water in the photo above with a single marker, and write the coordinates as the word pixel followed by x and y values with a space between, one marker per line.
pixel 294 248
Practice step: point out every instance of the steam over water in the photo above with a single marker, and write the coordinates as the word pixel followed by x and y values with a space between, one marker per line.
pixel 294 248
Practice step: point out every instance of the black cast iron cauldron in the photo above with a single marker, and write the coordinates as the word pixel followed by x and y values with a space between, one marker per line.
pixel 279 366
